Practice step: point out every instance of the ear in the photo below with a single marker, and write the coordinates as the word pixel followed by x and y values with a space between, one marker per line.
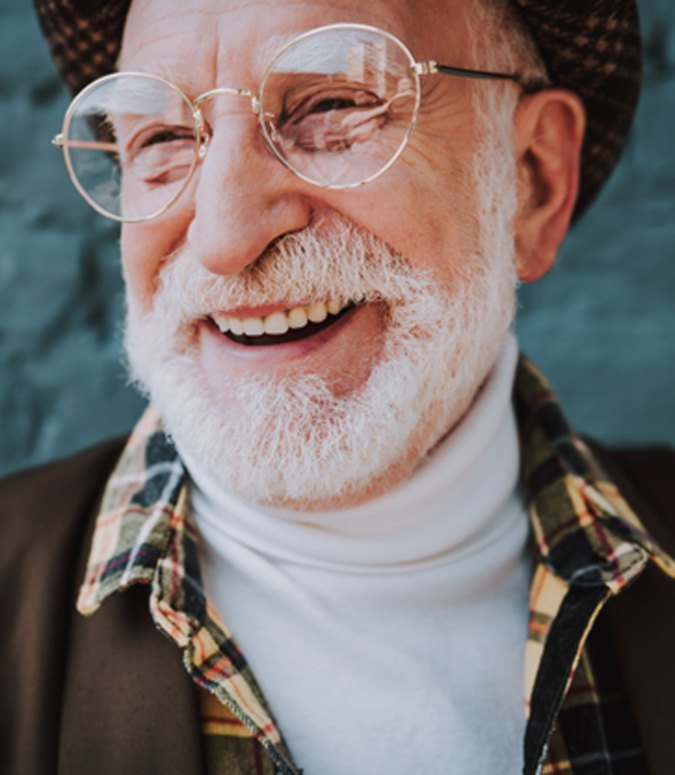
pixel 549 132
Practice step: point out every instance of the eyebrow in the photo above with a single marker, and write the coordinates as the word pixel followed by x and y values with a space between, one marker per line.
pixel 266 50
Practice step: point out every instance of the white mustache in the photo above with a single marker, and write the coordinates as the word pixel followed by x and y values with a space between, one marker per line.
pixel 331 259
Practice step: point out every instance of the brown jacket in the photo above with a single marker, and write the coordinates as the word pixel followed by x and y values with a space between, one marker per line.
pixel 109 696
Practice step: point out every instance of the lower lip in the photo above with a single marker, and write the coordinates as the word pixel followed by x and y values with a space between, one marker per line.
pixel 284 351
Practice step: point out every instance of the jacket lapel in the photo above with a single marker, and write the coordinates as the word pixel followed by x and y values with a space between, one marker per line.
pixel 129 705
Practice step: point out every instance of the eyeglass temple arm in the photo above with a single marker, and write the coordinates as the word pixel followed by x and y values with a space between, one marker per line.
pixel 93 145
pixel 430 67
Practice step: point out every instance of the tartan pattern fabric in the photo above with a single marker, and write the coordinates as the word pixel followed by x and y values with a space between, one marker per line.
pixel 589 546
pixel 143 536
pixel 592 48
pixel 229 747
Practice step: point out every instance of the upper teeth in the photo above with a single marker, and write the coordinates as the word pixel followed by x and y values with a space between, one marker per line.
pixel 279 322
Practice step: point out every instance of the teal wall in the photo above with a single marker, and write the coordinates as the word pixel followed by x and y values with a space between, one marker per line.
pixel 602 322
pixel 601 325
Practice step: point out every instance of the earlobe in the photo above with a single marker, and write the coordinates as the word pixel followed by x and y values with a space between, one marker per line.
pixel 549 130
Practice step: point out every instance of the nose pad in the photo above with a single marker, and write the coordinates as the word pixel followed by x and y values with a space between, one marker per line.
pixel 204 140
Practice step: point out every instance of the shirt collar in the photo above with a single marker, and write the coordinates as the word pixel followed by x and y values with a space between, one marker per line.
pixel 585 531
pixel 585 536
pixel 142 507
pixel 144 535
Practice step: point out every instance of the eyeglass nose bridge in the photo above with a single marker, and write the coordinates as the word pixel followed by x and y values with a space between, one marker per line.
pixel 255 103
pixel 221 90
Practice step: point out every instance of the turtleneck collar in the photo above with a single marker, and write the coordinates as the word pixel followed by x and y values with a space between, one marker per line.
pixel 452 506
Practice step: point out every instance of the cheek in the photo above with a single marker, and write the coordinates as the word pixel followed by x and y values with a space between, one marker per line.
pixel 141 260
pixel 145 248
pixel 429 219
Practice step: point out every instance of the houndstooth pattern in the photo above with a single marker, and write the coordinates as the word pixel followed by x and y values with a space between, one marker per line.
pixel 593 49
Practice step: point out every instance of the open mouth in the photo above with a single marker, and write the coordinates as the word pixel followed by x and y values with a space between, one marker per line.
pixel 290 325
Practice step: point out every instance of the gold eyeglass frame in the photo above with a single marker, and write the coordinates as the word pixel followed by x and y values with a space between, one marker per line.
pixel 202 136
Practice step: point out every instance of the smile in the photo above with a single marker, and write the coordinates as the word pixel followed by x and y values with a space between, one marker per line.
pixel 281 326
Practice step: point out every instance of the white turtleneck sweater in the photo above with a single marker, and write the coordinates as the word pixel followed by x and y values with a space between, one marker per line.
pixel 388 637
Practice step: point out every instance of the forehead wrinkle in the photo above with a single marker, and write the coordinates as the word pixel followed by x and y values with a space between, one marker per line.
pixel 160 45
pixel 192 86
pixel 259 52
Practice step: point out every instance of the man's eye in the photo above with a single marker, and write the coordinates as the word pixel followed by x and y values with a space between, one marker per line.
pixel 158 155
pixel 331 121
pixel 332 103
pixel 139 142
pixel 324 102
pixel 167 136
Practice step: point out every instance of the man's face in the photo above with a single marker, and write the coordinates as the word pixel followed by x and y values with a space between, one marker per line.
pixel 406 249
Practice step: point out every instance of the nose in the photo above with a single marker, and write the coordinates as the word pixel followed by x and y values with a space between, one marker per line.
pixel 244 198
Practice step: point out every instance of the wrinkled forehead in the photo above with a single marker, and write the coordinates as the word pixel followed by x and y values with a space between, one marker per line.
pixel 174 37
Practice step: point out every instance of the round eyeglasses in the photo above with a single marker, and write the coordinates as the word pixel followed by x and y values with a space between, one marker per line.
pixel 336 106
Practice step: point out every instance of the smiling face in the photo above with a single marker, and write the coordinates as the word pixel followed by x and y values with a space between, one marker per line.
pixel 308 346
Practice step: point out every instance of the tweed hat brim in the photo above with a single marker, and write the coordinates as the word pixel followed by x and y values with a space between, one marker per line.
pixel 591 47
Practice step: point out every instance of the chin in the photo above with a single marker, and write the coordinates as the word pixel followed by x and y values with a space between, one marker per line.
pixel 290 440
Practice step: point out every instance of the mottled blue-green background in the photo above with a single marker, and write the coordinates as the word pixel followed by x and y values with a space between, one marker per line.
pixel 601 325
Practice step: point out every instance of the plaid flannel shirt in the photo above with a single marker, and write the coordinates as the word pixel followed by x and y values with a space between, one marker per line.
pixel 589 546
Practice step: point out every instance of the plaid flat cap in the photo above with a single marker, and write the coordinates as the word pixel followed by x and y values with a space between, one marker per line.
pixel 591 47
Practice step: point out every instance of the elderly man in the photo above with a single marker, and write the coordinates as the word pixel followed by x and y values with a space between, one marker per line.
pixel 363 556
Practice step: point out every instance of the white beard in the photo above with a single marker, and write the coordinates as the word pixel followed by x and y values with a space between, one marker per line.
pixel 291 441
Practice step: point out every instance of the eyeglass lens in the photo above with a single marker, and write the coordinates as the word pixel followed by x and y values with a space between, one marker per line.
pixel 131 143
pixel 336 107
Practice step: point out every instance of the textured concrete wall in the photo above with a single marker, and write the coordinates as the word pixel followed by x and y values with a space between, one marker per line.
pixel 601 325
